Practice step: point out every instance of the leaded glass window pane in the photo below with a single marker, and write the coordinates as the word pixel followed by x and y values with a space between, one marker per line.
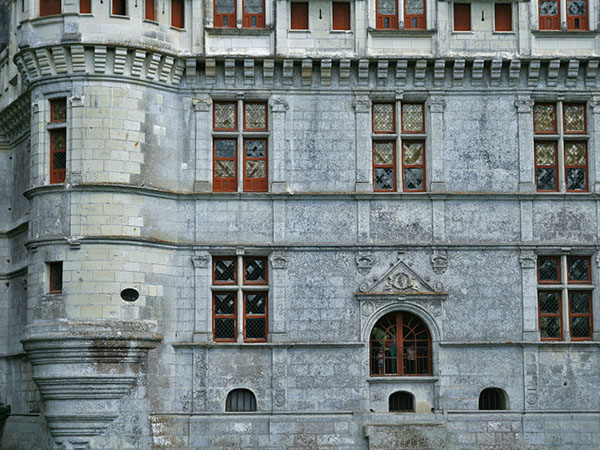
pixel 59 140
pixel 412 117
pixel 255 149
pixel 225 148
pixel 548 269
pixel 224 270
pixel 549 8
pixel 386 7
pixel 384 178
pixel 58 110
pixel 253 6
pixel 580 327
pixel 224 328
pixel 550 327
pixel 576 7
pixel 383 118
pixel 225 116
pixel 413 178
pixel 256 328
pixel 575 154
pixel 256 303
pixel 255 270
pixel 255 115
pixel 574 118
pixel 383 153
pixel 549 303
pixel 579 269
pixel 545 179
pixel 225 169
pixel 545 118
pixel 413 153
pixel 225 6
pixel 579 302
pixel 414 7
pixel 576 179
pixel 59 160
pixel 545 153
pixel 225 303
pixel 256 169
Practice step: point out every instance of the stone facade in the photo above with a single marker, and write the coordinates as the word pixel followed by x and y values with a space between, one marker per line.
pixel 85 366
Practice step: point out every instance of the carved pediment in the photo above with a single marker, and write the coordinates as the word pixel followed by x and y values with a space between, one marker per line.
pixel 400 278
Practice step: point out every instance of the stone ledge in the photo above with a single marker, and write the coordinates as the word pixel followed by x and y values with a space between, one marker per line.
pixel 214 31
pixel 374 32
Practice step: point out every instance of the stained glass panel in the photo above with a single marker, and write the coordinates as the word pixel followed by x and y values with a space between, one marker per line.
pixel 225 148
pixel 59 140
pixel 383 153
pixel 256 303
pixel 574 118
pixel 576 7
pixel 225 303
pixel 225 116
pixel 59 160
pixel 383 118
pixel 255 149
pixel 58 110
pixel 545 153
pixel 384 178
pixel 256 169
pixel 413 178
pixel 225 169
pixel 545 118
pixel 255 115
pixel 412 117
pixel 225 6
pixel 386 7
pixel 575 154
pixel 576 179
pixel 545 179
pixel 414 7
pixel 549 8
pixel 253 6
pixel 413 153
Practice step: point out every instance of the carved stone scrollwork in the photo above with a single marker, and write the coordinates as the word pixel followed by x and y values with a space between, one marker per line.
pixel 279 262
pixel 201 104
pixel 437 105
pixel 362 104
pixel 201 261
pixel 280 398
pixel 439 261
pixel 595 105
pixel 364 262
pixel 76 101
pixel 278 104
pixel 528 259
pixel 401 281
pixel 524 104
pixel 598 260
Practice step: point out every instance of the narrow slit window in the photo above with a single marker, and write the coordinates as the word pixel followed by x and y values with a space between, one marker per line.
pixel 177 14
pixel 299 15
pixel 56 277
pixel 462 17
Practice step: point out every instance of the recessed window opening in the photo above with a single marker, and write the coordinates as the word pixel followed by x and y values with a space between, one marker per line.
pixel 55 270
pixel 402 402
pixel 240 400
pixel 492 399
pixel 119 7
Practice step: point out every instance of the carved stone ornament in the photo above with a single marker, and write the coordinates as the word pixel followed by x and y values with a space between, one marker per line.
pixel 401 281
pixel 364 262
pixel 76 101
pixel 400 278
pixel 437 105
pixel 362 104
pixel 278 104
pixel 201 261
pixel 202 104
pixel 524 104
pixel 439 261
pixel 279 262
pixel 598 260
pixel 528 259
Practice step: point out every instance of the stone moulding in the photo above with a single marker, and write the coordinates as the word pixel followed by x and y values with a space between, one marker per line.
pixel 83 369
pixel 150 65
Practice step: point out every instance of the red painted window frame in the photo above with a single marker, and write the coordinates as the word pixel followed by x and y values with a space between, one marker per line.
pixel 150 10
pixel 555 258
pixel 257 184
pixel 559 315
pixel 502 17
pixel 461 13
pixel 589 263
pixel 247 17
pixel 254 283
pixel 393 130
pixel 57 175
pixel 422 130
pixel 257 316
pixel 214 264
pixel 85 6
pixel 340 16
pixel 584 131
pixel 553 131
pixel 266 116
pixel 589 315
pixel 231 17
pixel 235 127
pixel 385 166
pixel 409 141
pixel 53 267
pixel 50 8
pixel 299 16
pixel 549 22
pixel 178 14
pixel 224 316
pixel 421 18
pixel 577 166
pixel 225 184
pixel 380 18
pixel 119 7
pixel 583 19
pixel 554 166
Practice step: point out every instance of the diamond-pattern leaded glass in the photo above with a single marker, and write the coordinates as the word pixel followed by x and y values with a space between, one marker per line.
pixel 58 110
pixel 545 118
pixel 579 269
pixel 225 303
pixel 413 178
pixel 255 114
pixel 575 154
pixel 550 327
pixel 383 118
pixel 59 140
pixel 574 118
pixel 256 303
pixel 59 160
pixel 224 328
pixel 579 302
pixel 413 153
pixel 576 7
pixel 549 8
pixel 383 153
pixel 225 116
pixel 414 7
pixel 549 303
pixel 253 6
pixel 545 153
pixel 224 270
pixel 256 169
pixel 548 269
pixel 225 6
pixel 255 270
pixel 255 149
pixel 580 327
pixel 576 179
pixel 545 179
pixel 386 7
pixel 384 178
pixel 412 117
pixel 225 169
pixel 256 328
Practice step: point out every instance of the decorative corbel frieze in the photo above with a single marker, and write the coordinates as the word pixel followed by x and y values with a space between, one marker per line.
pixel 533 75
pixel 496 72
pixel 153 66
pixel 477 72
pixel 210 70
pixel 307 67
pixel 553 68
pixel 345 72
pixel 420 72
pixel 439 72
pixel 43 60
pixel 363 72
pixel 268 71
pixel 137 65
pixel 458 72
pixel 229 68
pixel 177 71
pixel 100 58
pixel 190 70
pixel 249 71
pixel 165 70
pixel 326 72
pixel 592 72
pixel 120 60
pixel 60 61
pixel 572 72
pixel 382 71
pixel 514 72
pixel 288 71
pixel 401 72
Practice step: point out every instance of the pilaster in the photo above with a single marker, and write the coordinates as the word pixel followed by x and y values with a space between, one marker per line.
pixel 364 155
pixel 278 308
pixel 524 105
pixel 594 130
pixel 279 107
pixel 528 262
pixel 202 297
pixel 436 144
pixel 202 126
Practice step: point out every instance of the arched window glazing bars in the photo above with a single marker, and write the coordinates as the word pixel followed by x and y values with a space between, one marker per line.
pixel 240 400
pixel 400 345
pixel 492 399
pixel 402 402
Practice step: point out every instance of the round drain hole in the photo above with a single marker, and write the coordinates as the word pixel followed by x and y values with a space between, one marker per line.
pixel 130 295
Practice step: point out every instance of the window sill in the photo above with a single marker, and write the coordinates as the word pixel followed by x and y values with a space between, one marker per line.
pixel 567 33
pixel 299 31
pixel 151 22
pixel 181 30
pixel 504 33
pixel 117 16
pixel 56 125
pixel 341 32
pixel 213 31
pixel 404 379
pixel 44 20
pixel 462 32
pixel 374 32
